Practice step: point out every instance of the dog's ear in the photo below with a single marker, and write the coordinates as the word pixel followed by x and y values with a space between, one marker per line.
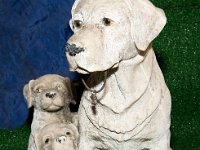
pixel 147 22
pixel 74 129
pixel 27 92
pixel 72 93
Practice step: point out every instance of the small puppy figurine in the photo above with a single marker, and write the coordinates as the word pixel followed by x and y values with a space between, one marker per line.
pixel 57 137
pixel 50 95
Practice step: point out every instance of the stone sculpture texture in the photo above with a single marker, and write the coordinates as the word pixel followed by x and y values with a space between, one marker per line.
pixel 126 104
pixel 50 95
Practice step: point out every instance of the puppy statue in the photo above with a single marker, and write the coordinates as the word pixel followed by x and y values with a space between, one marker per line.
pixel 50 95
pixel 126 104
pixel 57 137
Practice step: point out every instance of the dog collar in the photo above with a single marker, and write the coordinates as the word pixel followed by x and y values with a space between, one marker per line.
pixel 94 92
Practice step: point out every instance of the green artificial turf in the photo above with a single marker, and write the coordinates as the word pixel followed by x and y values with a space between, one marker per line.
pixel 178 53
pixel 14 139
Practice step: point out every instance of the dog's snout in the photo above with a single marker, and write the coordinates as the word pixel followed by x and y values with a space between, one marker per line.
pixel 50 95
pixel 61 139
pixel 72 49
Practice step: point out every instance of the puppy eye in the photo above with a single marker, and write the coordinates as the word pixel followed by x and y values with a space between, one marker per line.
pixel 107 21
pixel 38 90
pixel 68 133
pixel 77 24
pixel 46 141
pixel 59 87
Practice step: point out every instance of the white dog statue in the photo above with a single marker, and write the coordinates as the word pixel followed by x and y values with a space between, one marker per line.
pixel 50 95
pixel 129 107
pixel 57 136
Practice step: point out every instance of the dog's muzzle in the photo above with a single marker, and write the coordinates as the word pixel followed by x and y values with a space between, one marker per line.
pixel 50 95
pixel 72 49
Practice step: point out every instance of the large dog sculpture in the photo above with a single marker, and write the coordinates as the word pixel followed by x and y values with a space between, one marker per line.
pixel 129 108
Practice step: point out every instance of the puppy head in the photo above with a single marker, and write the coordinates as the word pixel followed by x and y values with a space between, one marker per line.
pixel 48 93
pixel 109 31
pixel 57 137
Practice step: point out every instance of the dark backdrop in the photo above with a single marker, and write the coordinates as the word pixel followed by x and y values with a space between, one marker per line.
pixel 32 36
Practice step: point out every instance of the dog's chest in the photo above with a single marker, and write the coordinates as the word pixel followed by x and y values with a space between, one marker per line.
pixel 41 119
pixel 116 124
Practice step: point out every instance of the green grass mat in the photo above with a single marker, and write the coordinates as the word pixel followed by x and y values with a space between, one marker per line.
pixel 15 139
pixel 178 52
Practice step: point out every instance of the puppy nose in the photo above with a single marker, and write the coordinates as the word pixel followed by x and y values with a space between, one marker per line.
pixel 50 95
pixel 72 49
pixel 61 139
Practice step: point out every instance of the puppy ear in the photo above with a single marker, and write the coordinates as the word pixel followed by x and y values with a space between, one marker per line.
pixel 74 129
pixel 71 90
pixel 148 21
pixel 27 92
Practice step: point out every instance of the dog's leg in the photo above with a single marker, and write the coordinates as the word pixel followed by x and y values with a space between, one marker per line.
pixel 90 138
pixel 161 143
pixel 84 143
pixel 93 143
pixel 164 142
pixel 84 126
pixel 31 143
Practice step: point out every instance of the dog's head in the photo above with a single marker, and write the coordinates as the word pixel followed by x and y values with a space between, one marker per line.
pixel 57 137
pixel 48 93
pixel 109 31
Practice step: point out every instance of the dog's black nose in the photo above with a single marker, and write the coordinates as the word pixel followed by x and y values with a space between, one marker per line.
pixel 72 49
pixel 50 95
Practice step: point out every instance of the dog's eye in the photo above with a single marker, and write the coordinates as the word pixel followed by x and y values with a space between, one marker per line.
pixel 107 21
pixel 59 87
pixel 46 141
pixel 68 133
pixel 38 90
pixel 77 24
